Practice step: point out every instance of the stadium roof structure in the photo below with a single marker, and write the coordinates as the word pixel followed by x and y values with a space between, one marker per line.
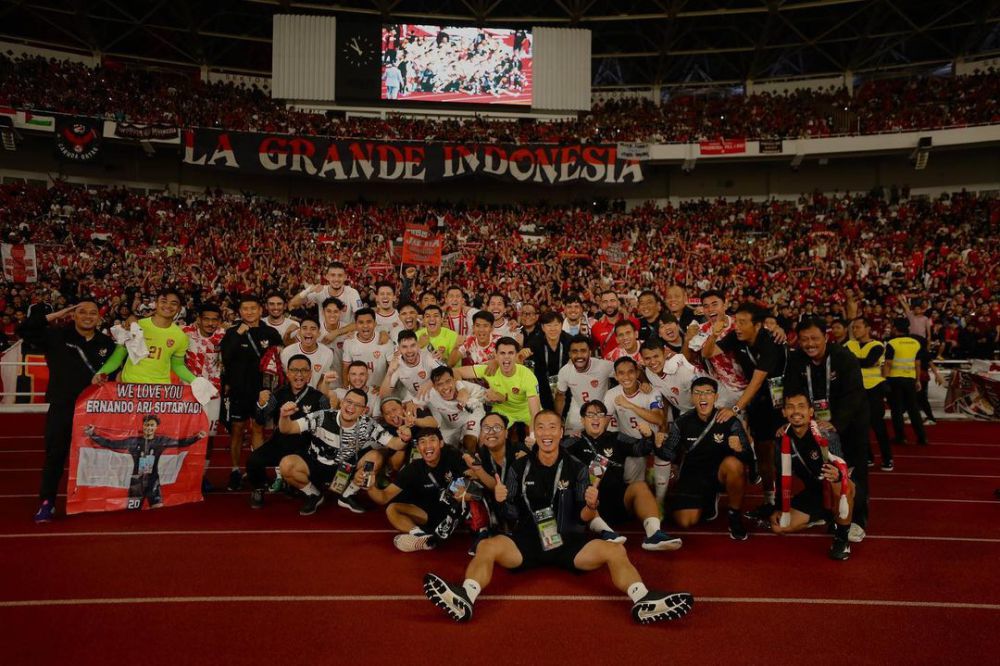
pixel 636 43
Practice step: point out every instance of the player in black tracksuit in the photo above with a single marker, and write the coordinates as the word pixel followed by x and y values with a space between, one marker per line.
pixel 619 500
pixel 496 455
pixel 270 453
pixel 72 354
pixel 146 452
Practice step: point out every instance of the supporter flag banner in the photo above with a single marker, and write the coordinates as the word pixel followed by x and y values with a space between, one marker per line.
pixel 19 262
pixel 345 160
pixel 24 376
pixel 421 247
pixel 770 146
pixel 78 138
pixel 633 151
pixel 140 132
pixel 136 446
pixel 722 146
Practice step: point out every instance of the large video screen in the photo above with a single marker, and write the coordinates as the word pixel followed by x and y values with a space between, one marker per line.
pixel 431 63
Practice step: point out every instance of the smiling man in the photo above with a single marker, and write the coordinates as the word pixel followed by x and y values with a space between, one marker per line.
pixel 320 356
pixel 584 378
pixel 513 388
pixel 549 500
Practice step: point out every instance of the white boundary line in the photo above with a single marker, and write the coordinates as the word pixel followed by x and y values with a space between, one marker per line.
pixel 328 532
pixel 945 457
pixel 335 598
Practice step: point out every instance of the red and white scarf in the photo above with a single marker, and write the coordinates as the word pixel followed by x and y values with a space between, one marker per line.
pixel 786 472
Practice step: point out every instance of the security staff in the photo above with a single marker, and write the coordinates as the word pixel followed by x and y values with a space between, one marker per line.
pixel 73 354
pixel 831 376
pixel 871 357
pixel 902 367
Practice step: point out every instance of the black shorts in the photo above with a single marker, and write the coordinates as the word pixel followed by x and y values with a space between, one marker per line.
pixel 762 418
pixel 436 512
pixel 811 501
pixel 562 557
pixel 697 487
pixel 612 504
pixel 241 406
pixel 320 475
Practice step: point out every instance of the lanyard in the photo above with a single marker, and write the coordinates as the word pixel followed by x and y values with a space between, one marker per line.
pixel 83 357
pixel 809 381
pixel 524 485
pixel 704 433
pixel 302 395
pixel 558 352
pixel 252 343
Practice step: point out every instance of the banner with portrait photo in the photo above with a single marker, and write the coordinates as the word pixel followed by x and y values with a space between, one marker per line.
pixel 136 446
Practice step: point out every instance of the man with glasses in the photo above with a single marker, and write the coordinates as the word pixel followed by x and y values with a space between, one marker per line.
pixel 548 498
pixel 528 320
pixel 306 400
pixel 606 452
pixel 341 442
pixel 711 456
pixel 495 456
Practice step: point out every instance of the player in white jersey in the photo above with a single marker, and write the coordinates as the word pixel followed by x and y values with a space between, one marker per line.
pixel 277 317
pixel 701 350
pixel 456 407
pixel 628 405
pixel 457 317
pixel 503 326
pixel 410 368
pixel 386 317
pixel 336 287
pixel 409 317
pixel 670 374
pixel 628 342
pixel 585 378
pixel 480 347
pixel 320 356
pixel 356 377
pixel 369 346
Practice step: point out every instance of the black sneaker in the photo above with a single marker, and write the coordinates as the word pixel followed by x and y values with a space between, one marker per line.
pixel 257 498
pixel 887 466
pixel 659 606
pixel 477 538
pixel 235 480
pixel 840 550
pixel 737 531
pixel 761 515
pixel 312 503
pixel 350 504
pixel 452 599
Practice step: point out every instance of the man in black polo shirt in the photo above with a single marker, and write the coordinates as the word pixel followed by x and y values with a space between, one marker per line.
pixel 549 352
pixel 306 399
pixel 495 455
pixel 711 455
pixel 73 355
pixel 831 376
pixel 548 497
pixel 677 305
pixel 426 506
pixel 763 363
pixel 650 309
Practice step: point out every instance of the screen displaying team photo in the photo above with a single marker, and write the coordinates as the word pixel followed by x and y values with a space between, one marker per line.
pixel 430 63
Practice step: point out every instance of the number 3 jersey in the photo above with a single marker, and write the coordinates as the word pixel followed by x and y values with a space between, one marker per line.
pixel 333 444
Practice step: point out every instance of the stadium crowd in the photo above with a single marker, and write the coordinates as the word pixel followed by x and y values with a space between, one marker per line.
pixel 878 105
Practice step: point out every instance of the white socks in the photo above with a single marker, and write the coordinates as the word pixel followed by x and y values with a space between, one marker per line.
pixel 637 591
pixel 472 589
pixel 651 525
pixel 661 476
pixel 311 490
pixel 598 525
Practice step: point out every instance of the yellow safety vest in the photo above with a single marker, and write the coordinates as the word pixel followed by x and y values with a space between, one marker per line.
pixel 904 360
pixel 872 376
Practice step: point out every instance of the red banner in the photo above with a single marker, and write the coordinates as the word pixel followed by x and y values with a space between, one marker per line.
pixel 136 446
pixel 421 247
pixel 19 262
pixel 722 146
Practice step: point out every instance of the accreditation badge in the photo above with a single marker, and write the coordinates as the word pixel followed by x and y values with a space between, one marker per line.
pixel 342 478
pixel 776 385
pixel 822 409
pixel 146 463
pixel 548 529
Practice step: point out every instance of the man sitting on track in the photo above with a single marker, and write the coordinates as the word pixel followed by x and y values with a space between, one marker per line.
pixel 548 497
pixel 713 456
pixel 619 500
pixel 424 506
pixel 813 455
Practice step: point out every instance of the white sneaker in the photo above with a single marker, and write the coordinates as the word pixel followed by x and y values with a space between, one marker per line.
pixel 410 543
pixel 856 533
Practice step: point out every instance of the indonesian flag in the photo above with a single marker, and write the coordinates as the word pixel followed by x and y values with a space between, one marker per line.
pixel 19 263
pixel 843 509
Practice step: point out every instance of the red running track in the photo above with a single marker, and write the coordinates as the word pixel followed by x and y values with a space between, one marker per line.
pixel 217 583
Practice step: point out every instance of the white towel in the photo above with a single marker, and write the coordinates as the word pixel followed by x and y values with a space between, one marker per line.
pixel 134 341
pixel 203 390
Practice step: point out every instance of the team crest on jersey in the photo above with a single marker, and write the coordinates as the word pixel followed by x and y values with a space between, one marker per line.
pixel 515 390
pixel 317 367
pixel 718 437
pixel 422 374
pixel 307 408
pixel 608 453
pixel 376 354
pixel 814 455
pixel 102 352
pixel 675 390
pixel 594 383
pixel 265 343
pixel 563 484
pixel 448 477
pixel 170 342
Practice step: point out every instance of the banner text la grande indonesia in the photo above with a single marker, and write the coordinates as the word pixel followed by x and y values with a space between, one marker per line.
pixel 399 161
